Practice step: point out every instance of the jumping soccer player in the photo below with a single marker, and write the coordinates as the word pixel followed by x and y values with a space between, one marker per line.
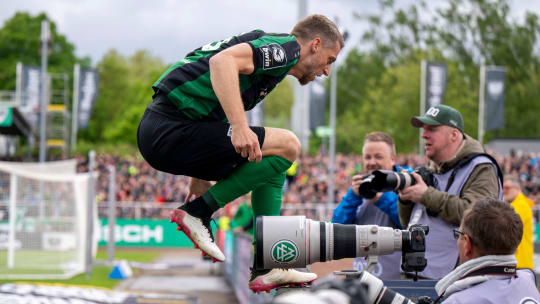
pixel 196 126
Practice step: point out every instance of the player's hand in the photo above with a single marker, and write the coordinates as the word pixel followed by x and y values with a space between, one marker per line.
pixel 246 143
pixel 414 193
pixel 196 188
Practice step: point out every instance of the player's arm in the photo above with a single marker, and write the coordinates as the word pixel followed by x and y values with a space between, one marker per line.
pixel 225 68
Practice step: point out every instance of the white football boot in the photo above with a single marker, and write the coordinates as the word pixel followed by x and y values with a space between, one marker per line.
pixel 266 281
pixel 199 232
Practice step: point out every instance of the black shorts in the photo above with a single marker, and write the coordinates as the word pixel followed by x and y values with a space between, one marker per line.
pixel 178 145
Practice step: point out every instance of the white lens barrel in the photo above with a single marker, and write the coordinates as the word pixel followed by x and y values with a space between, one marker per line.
pixel 294 241
pixel 377 240
pixel 408 180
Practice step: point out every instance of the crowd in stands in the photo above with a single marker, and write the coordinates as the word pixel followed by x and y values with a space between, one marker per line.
pixel 136 181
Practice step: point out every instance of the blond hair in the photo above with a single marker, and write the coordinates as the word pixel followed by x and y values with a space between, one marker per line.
pixel 320 26
pixel 381 137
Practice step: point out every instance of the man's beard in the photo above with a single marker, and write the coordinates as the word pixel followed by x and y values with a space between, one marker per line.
pixel 305 80
pixel 309 75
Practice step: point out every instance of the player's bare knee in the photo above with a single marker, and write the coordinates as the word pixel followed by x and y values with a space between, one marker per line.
pixel 281 142
pixel 292 147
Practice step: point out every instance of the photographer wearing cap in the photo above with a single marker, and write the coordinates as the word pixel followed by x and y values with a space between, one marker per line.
pixel 487 240
pixel 464 174
pixel 378 153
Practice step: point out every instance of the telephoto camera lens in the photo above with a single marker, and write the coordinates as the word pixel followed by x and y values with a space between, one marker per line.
pixel 366 289
pixel 386 180
pixel 378 293
pixel 294 241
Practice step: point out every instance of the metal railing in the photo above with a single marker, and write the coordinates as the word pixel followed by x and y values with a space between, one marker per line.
pixel 139 210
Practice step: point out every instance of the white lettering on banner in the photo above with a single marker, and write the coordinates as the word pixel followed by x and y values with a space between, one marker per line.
pixel 156 234
pixel 495 88
pixel 32 89
pixel 88 91
pixel 437 80
pixel 436 84
pixel 133 233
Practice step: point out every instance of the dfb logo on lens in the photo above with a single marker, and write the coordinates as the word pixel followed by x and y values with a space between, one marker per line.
pixel 284 251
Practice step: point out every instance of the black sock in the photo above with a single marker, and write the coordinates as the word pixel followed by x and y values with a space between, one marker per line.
pixel 198 208
pixel 257 272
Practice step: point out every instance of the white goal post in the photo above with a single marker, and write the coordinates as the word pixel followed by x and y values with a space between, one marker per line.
pixel 43 220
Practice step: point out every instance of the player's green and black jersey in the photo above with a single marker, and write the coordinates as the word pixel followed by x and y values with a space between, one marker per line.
pixel 187 83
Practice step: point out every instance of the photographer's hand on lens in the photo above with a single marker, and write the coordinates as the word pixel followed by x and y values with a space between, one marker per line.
pixel 370 195
pixel 365 187
pixel 356 181
pixel 414 193
pixel 376 198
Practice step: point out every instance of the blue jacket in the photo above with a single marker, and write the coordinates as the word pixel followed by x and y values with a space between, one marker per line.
pixel 345 212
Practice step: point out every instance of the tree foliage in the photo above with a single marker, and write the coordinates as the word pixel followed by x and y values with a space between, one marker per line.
pixel 378 83
pixel 20 42
pixel 125 89
pixel 379 87
pixel 278 104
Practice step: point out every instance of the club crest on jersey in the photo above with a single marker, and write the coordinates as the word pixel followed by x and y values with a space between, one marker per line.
pixel 273 56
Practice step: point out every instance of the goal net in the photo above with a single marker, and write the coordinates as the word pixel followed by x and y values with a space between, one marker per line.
pixel 43 220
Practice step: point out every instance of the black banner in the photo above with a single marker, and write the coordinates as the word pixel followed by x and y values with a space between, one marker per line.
pixel 88 90
pixel 494 97
pixel 436 75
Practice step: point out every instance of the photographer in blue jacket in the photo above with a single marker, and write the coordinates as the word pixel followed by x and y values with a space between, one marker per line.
pixel 378 153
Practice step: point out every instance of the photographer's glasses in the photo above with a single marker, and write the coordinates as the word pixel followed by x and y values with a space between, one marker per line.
pixel 458 233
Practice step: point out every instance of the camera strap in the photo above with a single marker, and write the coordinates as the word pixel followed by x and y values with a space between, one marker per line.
pixel 501 270
pixel 464 161
pixel 493 270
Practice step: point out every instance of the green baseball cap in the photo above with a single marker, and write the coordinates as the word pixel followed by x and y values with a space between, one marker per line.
pixel 440 115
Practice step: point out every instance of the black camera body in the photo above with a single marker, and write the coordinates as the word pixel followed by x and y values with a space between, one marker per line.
pixel 414 248
pixel 387 180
